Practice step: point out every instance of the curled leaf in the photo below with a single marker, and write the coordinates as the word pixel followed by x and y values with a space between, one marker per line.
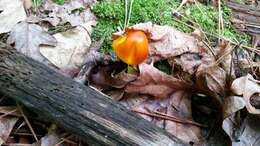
pixel 247 87
pixel 28 38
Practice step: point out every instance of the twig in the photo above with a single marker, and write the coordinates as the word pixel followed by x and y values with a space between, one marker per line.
pixel 8 113
pixel 222 37
pixel 220 21
pixel 16 144
pixel 63 140
pixel 183 2
pixel 170 118
pixel 254 80
pixel 129 13
pixel 210 49
pixel 27 122
pixel 126 13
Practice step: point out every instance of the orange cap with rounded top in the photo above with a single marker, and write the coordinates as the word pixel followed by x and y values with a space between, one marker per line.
pixel 131 48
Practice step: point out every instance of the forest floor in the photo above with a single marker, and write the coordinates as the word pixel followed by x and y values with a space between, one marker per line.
pixel 211 47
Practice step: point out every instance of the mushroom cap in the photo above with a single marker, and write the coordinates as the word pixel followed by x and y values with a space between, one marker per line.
pixel 131 48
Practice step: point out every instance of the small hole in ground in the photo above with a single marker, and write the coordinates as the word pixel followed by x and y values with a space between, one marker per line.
pixel 191 143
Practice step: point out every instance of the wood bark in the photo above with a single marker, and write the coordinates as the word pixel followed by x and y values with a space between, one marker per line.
pixel 248 16
pixel 74 106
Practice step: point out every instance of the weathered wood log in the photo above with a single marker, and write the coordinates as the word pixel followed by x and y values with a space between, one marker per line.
pixel 248 16
pixel 75 107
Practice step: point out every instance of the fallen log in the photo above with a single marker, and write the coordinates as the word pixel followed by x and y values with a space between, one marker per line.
pixel 75 107
pixel 247 17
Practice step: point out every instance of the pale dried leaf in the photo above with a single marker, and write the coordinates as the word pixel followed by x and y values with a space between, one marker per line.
pixel 232 104
pixel 51 138
pixel 28 38
pixel 10 14
pixel 247 87
pixel 154 82
pixel 243 132
pixel 188 62
pixel 133 100
pixel 72 47
pixel 75 12
pixel 186 132
pixel 6 126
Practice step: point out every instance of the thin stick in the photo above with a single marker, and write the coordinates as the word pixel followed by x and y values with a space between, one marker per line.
pixel 8 113
pixel 254 80
pixel 63 140
pixel 184 120
pixel 27 122
pixel 126 13
pixel 219 20
pixel 170 118
pixel 129 13
pixel 222 37
pixel 196 3
pixel 183 2
pixel 16 144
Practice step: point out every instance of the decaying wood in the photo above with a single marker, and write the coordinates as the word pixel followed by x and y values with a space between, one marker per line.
pixel 247 17
pixel 73 106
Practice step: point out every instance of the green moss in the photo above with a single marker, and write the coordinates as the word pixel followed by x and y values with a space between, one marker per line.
pixel 207 18
pixel 37 3
pixel 110 14
pixel 60 2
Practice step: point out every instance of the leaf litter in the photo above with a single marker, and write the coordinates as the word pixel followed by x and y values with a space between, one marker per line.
pixel 163 99
pixel 11 14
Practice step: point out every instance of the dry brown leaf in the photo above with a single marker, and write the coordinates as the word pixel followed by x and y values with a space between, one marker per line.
pixel 131 101
pixel 216 79
pixel 153 82
pixel 188 62
pixel 232 104
pixel 6 126
pixel 75 12
pixel 225 52
pixel 72 47
pixel 166 41
pixel 28 38
pixel 186 132
pixel 209 75
pixel 10 14
pixel 247 87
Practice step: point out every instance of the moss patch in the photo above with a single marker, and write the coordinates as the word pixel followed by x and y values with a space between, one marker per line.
pixel 110 14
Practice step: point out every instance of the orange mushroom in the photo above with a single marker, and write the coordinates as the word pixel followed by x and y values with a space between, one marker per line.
pixel 131 48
